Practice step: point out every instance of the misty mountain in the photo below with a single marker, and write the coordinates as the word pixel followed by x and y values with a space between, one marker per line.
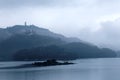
pixel 6 33
pixel 29 30
pixel 19 42
pixel 68 51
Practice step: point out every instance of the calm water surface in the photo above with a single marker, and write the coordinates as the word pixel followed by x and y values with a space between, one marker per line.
pixel 86 69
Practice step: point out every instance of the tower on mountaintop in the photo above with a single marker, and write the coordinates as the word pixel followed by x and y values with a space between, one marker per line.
pixel 25 23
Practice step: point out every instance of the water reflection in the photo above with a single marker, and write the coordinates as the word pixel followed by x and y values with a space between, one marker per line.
pixel 107 69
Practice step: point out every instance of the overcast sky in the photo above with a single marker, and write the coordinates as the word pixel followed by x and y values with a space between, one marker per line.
pixel 95 21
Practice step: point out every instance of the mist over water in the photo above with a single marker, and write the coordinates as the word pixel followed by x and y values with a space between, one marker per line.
pixel 86 69
pixel 87 30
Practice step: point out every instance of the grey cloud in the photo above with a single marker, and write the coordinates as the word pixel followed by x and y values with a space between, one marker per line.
pixel 107 1
pixel 55 3
pixel 107 36
pixel 111 29
pixel 83 13
pixel 19 3
pixel 111 32
pixel 43 3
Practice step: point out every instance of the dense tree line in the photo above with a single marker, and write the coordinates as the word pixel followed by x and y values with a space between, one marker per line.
pixel 33 43
pixel 64 52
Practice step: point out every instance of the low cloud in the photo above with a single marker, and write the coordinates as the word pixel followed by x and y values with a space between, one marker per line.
pixel 61 3
pixel 95 21
pixel 108 34
pixel 6 4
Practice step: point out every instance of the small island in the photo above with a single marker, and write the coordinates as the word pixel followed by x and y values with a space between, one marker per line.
pixel 51 62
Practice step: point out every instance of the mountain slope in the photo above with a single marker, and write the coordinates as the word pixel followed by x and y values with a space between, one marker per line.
pixel 14 40
pixel 68 51
pixel 18 42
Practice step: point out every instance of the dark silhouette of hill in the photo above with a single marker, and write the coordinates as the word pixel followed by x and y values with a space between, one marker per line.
pixel 69 51
pixel 22 42
pixel 18 42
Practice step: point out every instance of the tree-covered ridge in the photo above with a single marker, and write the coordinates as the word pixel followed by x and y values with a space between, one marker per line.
pixel 64 52
pixel 22 42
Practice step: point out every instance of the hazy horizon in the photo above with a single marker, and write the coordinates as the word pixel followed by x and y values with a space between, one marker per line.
pixel 95 21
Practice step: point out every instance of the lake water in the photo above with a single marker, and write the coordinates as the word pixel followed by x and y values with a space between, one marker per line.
pixel 84 69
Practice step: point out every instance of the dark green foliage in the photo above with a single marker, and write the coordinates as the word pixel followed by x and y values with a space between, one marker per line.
pixel 65 52
pixel 33 43
pixel 18 42
pixel 43 53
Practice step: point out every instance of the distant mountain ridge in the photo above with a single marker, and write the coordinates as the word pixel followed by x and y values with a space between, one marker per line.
pixel 32 29
pixel 16 39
